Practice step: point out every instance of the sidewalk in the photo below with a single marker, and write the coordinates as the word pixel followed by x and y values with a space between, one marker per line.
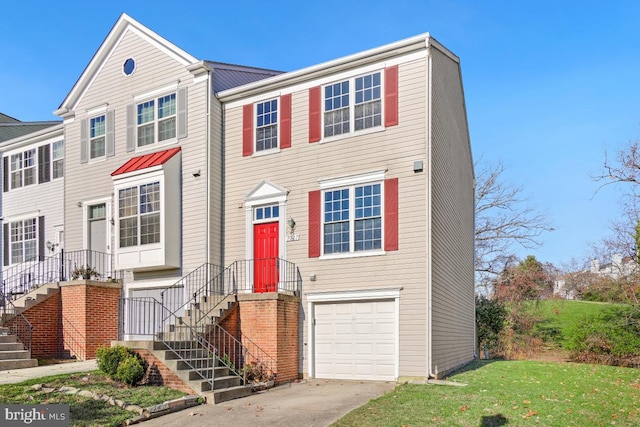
pixel 19 375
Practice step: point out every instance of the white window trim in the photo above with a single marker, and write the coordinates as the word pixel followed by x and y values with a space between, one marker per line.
pixel 137 181
pixel 351 296
pixel 156 120
pixel 275 149
pixel 104 156
pixel 22 219
pixel 36 161
pixel 375 177
pixel 352 88
pixel 53 178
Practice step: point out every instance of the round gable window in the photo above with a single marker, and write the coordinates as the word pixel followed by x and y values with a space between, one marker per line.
pixel 129 66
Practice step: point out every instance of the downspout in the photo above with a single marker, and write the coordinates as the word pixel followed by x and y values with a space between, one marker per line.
pixel 429 210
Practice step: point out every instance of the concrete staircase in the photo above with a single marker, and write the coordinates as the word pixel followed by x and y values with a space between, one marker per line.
pixel 35 296
pixel 202 372
pixel 12 352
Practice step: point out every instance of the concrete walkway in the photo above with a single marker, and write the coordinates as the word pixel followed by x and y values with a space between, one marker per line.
pixel 18 375
pixel 308 403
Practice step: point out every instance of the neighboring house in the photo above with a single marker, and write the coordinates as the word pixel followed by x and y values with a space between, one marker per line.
pixel 11 128
pixel 359 170
pixel 144 170
pixel 32 210
pixel 618 267
pixel 324 215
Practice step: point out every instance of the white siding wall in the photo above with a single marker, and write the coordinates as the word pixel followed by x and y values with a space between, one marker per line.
pixel 299 168
pixel 154 70
pixel 40 199
pixel 453 315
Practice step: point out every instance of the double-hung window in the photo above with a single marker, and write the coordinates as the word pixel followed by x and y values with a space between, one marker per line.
pixel 354 104
pixel 23 240
pixel 57 157
pixel 23 168
pixel 156 120
pixel 267 125
pixel 139 213
pixel 97 132
pixel 352 219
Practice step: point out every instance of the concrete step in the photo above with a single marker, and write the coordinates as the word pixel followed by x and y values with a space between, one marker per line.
pixel 4 330
pixel 9 364
pixel 36 295
pixel 219 396
pixel 208 373
pixel 9 346
pixel 222 383
pixel 8 339
pixel 14 354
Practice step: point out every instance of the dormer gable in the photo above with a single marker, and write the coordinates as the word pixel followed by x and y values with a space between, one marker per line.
pixel 122 27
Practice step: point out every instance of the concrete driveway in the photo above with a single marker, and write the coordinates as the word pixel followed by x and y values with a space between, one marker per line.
pixel 305 403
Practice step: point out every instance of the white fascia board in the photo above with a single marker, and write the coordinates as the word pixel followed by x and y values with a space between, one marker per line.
pixel 125 23
pixel 314 72
pixel 365 294
pixel 327 79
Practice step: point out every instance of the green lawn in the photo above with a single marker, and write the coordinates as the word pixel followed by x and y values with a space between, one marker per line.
pixel 562 317
pixel 85 411
pixel 512 393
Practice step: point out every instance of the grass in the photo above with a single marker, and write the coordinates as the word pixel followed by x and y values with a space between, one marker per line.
pixel 85 411
pixel 513 393
pixel 562 317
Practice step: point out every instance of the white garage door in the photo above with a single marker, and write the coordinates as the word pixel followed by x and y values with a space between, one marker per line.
pixel 355 340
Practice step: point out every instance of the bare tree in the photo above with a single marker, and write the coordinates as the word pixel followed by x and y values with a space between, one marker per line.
pixel 503 220
pixel 623 167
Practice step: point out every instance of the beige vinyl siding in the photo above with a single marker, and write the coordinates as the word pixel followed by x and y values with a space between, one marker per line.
pixel 299 168
pixel 154 69
pixel 453 310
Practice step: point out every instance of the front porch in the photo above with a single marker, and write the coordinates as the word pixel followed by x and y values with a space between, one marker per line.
pixel 221 330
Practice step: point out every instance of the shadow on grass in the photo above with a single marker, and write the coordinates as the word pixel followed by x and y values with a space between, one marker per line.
pixel 493 421
pixel 476 364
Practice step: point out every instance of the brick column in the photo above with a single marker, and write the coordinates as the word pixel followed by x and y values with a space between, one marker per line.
pixel 89 316
pixel 271 321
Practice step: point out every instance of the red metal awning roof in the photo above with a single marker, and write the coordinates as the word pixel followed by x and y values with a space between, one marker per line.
pixel 146 161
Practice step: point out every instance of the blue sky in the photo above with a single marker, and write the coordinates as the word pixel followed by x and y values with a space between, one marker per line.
pixel 549 85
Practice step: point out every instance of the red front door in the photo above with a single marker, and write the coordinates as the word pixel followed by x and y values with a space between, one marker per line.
pixel 265 254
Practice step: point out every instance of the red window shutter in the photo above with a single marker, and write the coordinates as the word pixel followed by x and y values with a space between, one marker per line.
pixel 247 130
pixel 315 105
pixel 391 96
pixel 285 121
pixel 391 214
pixel 314 224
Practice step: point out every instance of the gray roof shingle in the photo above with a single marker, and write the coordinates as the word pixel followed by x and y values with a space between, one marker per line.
pixel 12 128
pixel 227 76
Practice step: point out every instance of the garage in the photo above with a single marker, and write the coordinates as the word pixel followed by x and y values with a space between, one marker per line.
pixel 355 340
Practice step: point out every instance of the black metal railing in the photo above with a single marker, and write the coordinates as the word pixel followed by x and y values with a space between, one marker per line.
pixel 202 284
pixel 18 324
pixel 264 275
pixel 21 279
pixel 183 319
pixel 72 340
